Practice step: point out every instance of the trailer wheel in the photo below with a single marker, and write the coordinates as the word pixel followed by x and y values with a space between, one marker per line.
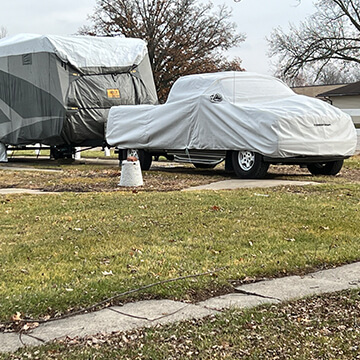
pixel 328 168
pixel 249 165
pixel 62 152
pixel 145 159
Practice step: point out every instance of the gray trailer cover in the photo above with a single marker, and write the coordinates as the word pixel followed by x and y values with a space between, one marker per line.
pixel 58 90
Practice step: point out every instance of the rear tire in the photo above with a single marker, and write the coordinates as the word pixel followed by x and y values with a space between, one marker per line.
pixel 328 168
pixel 249 165
pixel 145 159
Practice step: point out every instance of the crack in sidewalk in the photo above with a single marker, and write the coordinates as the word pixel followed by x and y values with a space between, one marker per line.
pixel 146 318
pixel 255 294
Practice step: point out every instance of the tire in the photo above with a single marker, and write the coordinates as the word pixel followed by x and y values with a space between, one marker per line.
pixel 204 166
pixel 328 168
pixel 145 159
pixel 122 155
pixel 249 165
pixel 61 152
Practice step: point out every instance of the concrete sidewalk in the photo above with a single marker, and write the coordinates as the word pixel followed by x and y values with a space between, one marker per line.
pixel 6 191
pixel 13 167
pixel 153 312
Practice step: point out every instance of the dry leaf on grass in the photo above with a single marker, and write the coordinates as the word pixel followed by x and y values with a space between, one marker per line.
pixel 16 317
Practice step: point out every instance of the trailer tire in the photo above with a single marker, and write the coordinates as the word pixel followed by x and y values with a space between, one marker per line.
pixel 62 152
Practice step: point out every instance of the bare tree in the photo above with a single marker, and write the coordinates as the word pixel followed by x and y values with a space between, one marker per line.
pixel 3 32
pixel 329 40
pixel 183 36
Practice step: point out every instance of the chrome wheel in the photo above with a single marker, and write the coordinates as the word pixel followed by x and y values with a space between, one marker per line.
pixel 248 164
pixel 246 160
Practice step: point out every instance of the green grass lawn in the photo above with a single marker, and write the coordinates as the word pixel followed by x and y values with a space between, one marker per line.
pixel 46 152
pixel 67 251
pixel 98 154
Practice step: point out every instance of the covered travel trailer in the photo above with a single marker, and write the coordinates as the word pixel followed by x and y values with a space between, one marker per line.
pixel 57 90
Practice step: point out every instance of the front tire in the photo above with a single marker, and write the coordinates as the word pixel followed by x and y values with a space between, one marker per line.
pixel 328 168
pixel 249 165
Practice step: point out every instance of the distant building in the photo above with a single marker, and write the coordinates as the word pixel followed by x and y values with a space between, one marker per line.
pixel 315 90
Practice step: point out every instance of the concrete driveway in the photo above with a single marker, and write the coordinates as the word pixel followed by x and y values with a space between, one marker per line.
pixel 242 183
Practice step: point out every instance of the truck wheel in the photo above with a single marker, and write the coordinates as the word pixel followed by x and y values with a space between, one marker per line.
pixel 328 168
pixel 249 165
pixel 145 159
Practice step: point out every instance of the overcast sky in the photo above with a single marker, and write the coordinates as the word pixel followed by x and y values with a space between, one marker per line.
pixel 255 18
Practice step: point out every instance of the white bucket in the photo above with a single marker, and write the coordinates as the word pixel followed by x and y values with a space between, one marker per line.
pixel 131 174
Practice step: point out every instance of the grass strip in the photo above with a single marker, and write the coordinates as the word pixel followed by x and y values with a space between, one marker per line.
pixel 319 327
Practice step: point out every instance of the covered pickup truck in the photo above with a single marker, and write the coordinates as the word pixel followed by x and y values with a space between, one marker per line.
pixel 250 120
pixel 57 90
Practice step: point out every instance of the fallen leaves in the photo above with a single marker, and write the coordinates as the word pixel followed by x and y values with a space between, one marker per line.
pixel 30 326
pixel 216 208
pixel 261 195
pixel 19 324
pixel 16 317
pixel 107 273
pixel 132 269
pixel 135 251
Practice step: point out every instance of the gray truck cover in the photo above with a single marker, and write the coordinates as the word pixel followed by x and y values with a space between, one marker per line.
pixel 234 111
pixel 58 89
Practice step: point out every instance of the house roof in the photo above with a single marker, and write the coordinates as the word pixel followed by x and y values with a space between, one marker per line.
pixel 347 90
pixel 315 90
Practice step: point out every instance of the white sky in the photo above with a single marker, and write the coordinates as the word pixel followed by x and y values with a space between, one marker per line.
pixel 255 18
